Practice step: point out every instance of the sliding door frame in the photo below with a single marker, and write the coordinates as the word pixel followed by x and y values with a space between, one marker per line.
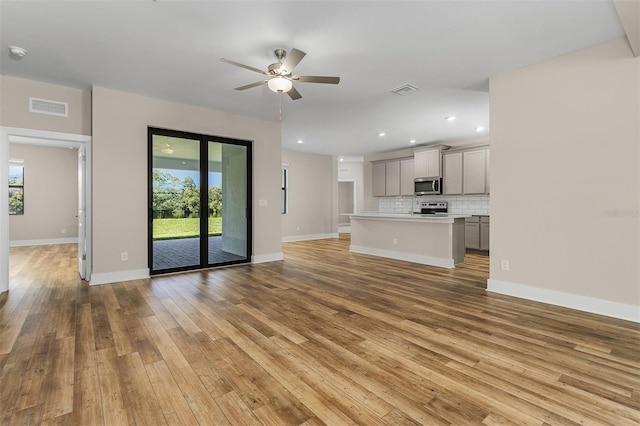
pixel 204 190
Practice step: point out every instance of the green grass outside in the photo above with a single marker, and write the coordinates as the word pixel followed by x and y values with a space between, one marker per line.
pixel 165 229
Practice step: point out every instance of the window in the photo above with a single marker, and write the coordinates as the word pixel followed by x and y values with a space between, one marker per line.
pixel 285 189
pixel 16 187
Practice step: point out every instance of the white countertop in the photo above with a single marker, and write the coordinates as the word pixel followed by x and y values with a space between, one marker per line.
pixel 438 217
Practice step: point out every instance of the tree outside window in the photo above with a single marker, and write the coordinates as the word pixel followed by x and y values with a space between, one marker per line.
pixel 16 189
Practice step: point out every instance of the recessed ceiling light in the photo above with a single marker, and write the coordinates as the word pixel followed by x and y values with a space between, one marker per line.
pixel 479 129
pixel 450 118
pixel 381 134
pixel 341 159
pixel 412 141
pixel 300 141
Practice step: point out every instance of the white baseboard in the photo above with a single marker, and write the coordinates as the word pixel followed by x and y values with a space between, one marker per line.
pixel 119 276
pixel 270 257
pixel 344 229
pixel 46 242
pixel 293 238
pixel 409 257
pixel 567 300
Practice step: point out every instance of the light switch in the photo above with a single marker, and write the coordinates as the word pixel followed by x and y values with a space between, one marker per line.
pixel 262 203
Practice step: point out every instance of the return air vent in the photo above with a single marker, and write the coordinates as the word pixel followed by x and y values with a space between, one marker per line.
pixel 405 90
pixel 43 106
pixel 343 170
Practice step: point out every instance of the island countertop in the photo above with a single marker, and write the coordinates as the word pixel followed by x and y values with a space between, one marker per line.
pixel 429 239
pixel 437 217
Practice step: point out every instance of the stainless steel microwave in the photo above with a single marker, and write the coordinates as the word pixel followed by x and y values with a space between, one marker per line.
pixel 428 186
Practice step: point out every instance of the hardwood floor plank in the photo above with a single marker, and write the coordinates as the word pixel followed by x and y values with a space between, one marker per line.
pixel 324 337
pixel 87 404
pixel 174 407
pixel 11 331
pixel 139 393
pixel 112 389
pixel 58 387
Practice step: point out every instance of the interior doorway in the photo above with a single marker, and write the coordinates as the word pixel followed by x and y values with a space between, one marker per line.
pixel 11 135
pixel 347 200
pixel 199 201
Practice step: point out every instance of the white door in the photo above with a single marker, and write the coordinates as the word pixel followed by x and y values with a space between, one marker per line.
pixel 82 212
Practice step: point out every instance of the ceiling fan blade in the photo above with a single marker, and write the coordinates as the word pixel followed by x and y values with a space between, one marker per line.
pixel 316 79
pixel 249 86
pixel 294 94
pixel 247 67
pixel 292 59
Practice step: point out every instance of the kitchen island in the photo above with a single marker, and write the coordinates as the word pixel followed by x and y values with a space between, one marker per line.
pixel 432 239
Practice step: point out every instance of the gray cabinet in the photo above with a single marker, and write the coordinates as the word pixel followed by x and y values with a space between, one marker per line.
pixel 427 163
pixel 452 173
pixel 392 178
pixel 407 176
pixel 484 233
pixel 378 179
pixel 476 233
pixel 474 174
pixel 385 178
pixel 472 232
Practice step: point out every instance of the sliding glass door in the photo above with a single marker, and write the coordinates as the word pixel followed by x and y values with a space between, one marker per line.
pixel 199 201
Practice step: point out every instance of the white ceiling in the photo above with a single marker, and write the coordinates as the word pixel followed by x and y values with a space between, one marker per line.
pixel 171 50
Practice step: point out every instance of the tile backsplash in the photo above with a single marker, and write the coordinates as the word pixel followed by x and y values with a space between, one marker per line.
pixel 464 204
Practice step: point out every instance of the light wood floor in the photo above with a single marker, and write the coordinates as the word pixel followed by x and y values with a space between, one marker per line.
pixel 325 337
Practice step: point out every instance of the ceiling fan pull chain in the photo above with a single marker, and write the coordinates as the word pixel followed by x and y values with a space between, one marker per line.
pixel 280 109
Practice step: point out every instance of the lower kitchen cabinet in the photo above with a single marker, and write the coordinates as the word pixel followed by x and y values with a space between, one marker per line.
pixel 484 233
pixel 476 233
pixel 472 232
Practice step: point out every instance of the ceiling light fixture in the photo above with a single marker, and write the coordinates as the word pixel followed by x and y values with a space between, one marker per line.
pixel 479 129
pixel 381 134
pixel 279 84
pixel 300 141
pixel 16 52
pixel 412 141
pixel 450 118
pixel 166 149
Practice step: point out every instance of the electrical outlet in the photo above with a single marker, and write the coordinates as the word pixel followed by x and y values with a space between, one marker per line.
pixel 63 231
pixel 504 265
pixel 395 241
pixel 124 256
pixel 297 228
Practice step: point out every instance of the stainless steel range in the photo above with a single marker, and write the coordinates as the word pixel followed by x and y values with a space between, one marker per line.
pixel 433 207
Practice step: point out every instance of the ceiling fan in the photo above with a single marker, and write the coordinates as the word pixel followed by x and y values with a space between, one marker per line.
pixel 280 74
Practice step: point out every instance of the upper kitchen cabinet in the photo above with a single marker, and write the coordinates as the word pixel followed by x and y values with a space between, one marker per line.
pixel 407 176
pixel 385 178
pixel 392 178
pixel 452 173
pixel 378 179
pixel 427 163
pixel 475 171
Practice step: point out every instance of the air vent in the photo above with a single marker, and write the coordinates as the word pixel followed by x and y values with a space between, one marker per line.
pixel 43 106
pixel 405 90
pixel 343 170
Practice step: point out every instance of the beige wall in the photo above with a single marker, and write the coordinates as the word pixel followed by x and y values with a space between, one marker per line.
pixel 313 199
pixel 51 194
pixel 565 182
pixel 15 106
pixel 120 123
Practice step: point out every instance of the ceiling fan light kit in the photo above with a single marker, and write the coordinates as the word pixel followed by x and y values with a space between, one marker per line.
pixel 280 84
pixel 280 74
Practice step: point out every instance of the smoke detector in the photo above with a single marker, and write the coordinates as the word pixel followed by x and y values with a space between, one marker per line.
pixel 16 52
